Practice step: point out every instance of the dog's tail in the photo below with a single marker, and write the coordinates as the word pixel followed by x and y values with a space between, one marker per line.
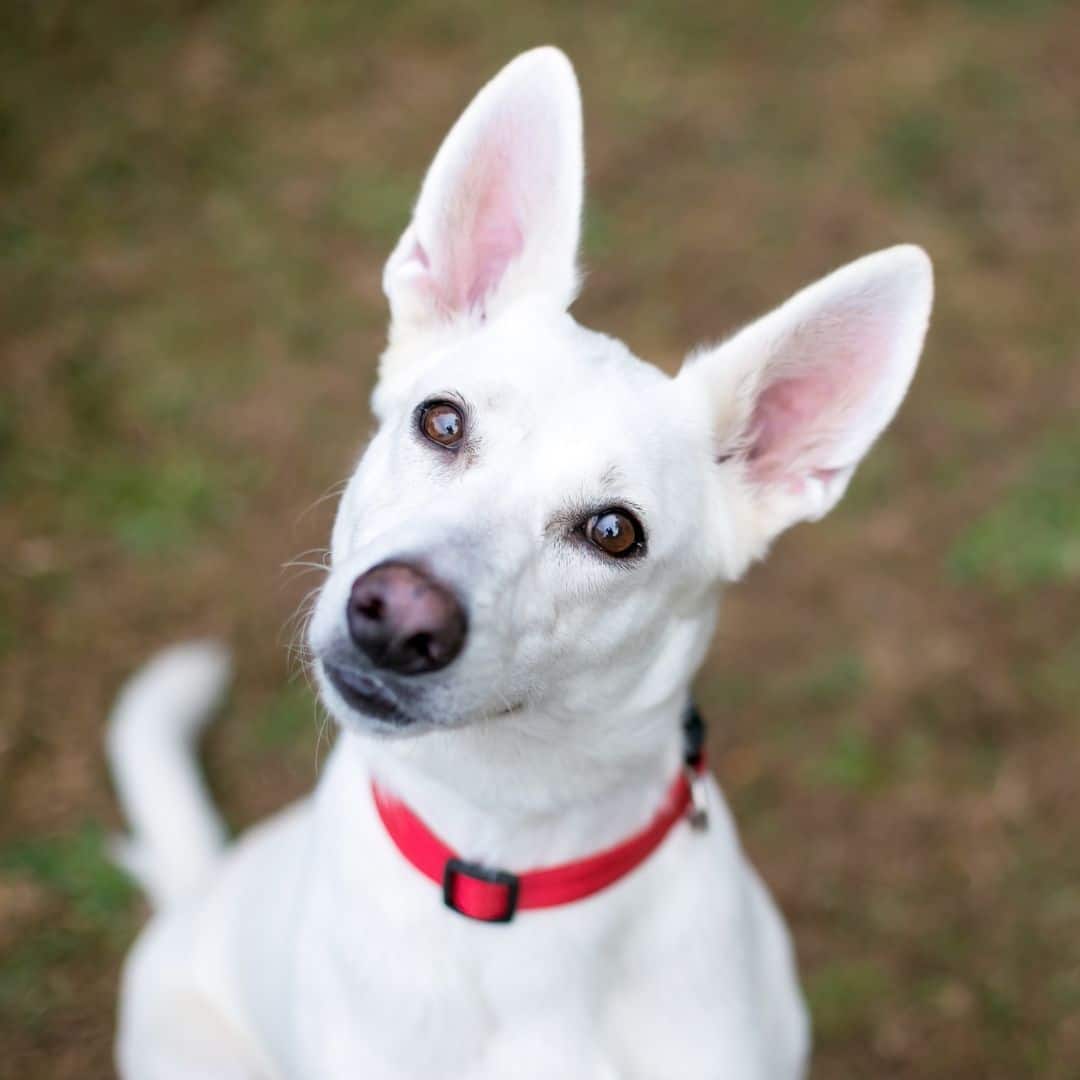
pixel 176 834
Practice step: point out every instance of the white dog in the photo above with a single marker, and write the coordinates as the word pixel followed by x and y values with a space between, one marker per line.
pixel 525 568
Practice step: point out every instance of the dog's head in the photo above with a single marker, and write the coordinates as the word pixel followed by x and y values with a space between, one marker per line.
pixel 541 521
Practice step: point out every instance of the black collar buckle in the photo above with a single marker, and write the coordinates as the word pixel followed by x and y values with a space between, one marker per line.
pixel 693 737
pixel 693 765
pixel 501 879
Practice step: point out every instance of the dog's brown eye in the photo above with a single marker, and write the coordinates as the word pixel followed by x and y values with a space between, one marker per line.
pixel 442 423
pixel 614 532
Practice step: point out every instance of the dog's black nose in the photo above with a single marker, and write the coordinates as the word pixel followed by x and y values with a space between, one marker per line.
pixel 405 621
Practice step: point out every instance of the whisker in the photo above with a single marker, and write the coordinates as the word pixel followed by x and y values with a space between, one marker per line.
pixel 332 492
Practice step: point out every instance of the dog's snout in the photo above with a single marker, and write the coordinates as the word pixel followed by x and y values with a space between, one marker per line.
pixel 404 621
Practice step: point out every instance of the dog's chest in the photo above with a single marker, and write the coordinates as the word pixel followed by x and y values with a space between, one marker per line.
pixel 439 996
pixel 397 986
pixel 421 1010
pixel 681 969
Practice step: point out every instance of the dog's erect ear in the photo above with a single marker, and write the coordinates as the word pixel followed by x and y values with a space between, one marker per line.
pixel 500 209
pixel 798 397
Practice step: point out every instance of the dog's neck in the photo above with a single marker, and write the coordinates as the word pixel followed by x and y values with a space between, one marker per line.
pixel 514 794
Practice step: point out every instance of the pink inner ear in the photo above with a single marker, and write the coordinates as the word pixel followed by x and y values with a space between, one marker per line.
pixel 803 418
pixel 783 421
pixel 420 255
pixel 497 241
pixel 482 233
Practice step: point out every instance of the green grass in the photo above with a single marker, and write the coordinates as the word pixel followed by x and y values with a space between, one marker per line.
pixel 33 974
pixel 852 762
pixel 91 909
pixel 1016 9
pixel 90 387
pixel 8 634
pixel 1032 535
pixel 1056 677
pixel 878 478
pixel 986 88
pixel 74 866
pixel 148 505
pixel 156 508
pixel 845 997
pixel 598 234
pixel 8 435
pixel 290 720
pixel 8 409
pixel 832 681
pixel 375 204
pixel 911 151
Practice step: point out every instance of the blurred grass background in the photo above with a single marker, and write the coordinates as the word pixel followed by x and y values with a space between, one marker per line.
pixel 197 200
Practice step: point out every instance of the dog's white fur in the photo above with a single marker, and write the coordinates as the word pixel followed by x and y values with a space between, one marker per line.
pixel 313 949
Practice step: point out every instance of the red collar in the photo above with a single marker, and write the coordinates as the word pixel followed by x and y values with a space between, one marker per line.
pixel 490 895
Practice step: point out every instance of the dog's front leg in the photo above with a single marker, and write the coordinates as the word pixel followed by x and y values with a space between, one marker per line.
pixel 536 1062
pixel 190 1043
pixel 541 1049
pixel 170 1028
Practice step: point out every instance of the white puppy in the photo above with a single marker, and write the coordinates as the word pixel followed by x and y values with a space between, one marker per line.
pixel 525 568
